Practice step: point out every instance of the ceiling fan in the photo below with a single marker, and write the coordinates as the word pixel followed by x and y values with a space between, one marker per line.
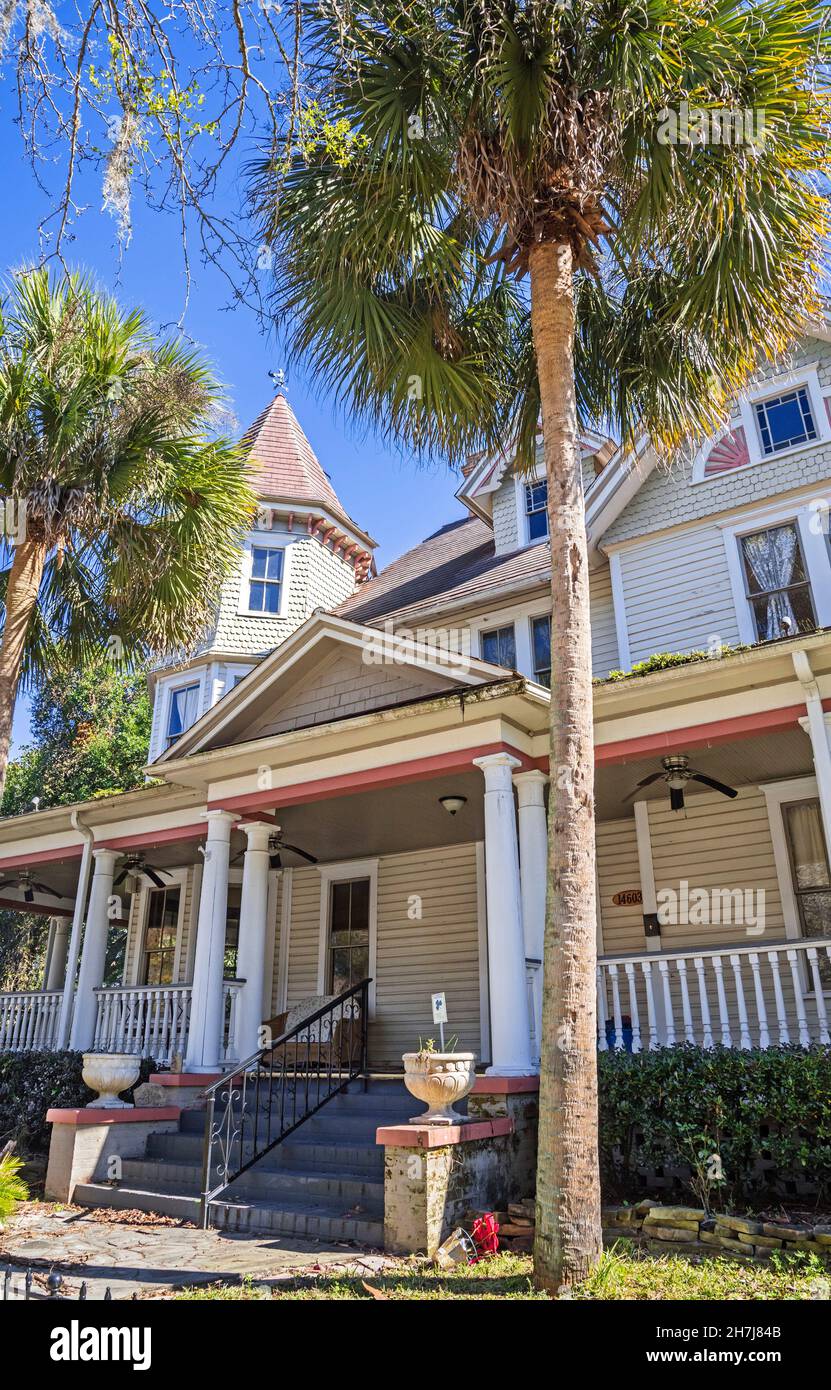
pixel 276 845
pixel 676 772
pixel 28 886
pixel 135 863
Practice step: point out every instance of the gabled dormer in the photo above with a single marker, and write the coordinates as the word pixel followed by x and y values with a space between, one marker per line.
pixel 514 503
pixel 303 553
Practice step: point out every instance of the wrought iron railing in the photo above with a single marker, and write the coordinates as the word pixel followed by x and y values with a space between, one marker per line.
pixel 261 1101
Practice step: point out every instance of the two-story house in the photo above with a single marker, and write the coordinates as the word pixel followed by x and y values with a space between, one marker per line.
pixel 352 770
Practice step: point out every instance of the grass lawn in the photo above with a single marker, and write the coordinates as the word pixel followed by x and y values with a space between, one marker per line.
pixel 623 1273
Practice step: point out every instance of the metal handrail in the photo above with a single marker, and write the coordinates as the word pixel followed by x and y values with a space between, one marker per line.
pixel 236 1133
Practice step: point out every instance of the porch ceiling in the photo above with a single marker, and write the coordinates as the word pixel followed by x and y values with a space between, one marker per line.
pixel 747 762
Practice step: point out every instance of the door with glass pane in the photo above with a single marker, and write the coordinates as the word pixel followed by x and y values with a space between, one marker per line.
pixel 348 961
pixel 160 933
pixel 810 873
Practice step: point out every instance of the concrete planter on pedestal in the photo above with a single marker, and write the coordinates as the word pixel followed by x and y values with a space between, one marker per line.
pixel 108 1073
pixel 440 1079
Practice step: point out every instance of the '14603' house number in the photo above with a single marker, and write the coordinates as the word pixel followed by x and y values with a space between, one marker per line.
pixel 630 897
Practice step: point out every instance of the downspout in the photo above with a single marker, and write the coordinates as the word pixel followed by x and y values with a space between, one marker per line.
pixel 74 951
pixel 818 735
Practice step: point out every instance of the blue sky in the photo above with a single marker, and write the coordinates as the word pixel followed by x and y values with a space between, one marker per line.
pixel 397 502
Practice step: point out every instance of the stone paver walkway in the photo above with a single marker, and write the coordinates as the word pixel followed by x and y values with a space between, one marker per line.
pixel 149 1259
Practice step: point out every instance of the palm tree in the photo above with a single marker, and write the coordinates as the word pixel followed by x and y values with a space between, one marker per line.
pixel 124 514
pixel 499 212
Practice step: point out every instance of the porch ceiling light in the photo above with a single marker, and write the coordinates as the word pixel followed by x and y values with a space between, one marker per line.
pixel 453 804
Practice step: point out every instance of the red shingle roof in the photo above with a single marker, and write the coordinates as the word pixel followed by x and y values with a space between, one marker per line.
pixel 286 464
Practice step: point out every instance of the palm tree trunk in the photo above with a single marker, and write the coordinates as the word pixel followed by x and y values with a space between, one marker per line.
pixel 21 597
pixel 568 1233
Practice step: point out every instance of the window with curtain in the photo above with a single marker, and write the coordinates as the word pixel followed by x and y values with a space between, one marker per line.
pixel 536 510
pixel 776 582
pixel 541 649
pixel 184 706
pixel 809 872
pixel 499 646
pixel 785 421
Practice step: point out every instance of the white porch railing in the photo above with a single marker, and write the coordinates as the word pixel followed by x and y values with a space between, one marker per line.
pixel 152 1020
pixel 736 996
pixel 29 1020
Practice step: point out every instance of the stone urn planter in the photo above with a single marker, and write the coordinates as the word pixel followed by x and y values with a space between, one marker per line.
pixel 108 1073
pixel 439 1079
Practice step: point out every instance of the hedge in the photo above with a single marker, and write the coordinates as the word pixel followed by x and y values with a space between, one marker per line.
pixel 739 1125
pixel 33 1082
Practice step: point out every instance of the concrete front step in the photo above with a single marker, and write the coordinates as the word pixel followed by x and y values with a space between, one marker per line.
pixel 325 1158
pixel 259 1183
pixel 309 1220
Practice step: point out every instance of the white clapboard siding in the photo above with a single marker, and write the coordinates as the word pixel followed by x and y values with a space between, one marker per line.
pixel 604 636
pixel 617 871
pixel 677 593
pixel 716 843
pixel 304 935
pixel 415 956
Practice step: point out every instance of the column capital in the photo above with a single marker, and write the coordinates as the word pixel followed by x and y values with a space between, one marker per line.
pixel 530 787
pixel 257 833
pixel 220 823
pixel 102 856
pixel 497 768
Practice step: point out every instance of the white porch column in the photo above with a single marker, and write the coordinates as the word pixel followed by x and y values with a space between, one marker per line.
pixel 816 725
pixel 510 1024
pixel 253 921
pixel 205 1030
pixel 55 971
pixel 533 874
pixel 93 951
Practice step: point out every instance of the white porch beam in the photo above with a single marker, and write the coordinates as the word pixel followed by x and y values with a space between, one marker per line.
pixel 533 873
pixel 94 951
pixel 510 1023
pixel 816 726
pixel 206 1012
pixel 253 932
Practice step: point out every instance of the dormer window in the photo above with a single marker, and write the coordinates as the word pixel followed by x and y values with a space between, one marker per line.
pixel 266 582
pixel 785 421
pixel 536 510
pixel 182 711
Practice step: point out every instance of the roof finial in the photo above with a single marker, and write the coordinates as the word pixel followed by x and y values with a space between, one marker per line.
pixel 278 380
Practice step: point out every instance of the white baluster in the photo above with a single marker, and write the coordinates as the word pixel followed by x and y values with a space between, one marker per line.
pixel 654 1043
pixel 779 997
pixel 689 1033
pixel 723 1011
pixel 819 998
pixel 799 1000
pixel 761 1008
pixel 745 1041
pixel 703 1002
pixel 616 1014
pixel 602 1044
pixel 669 1012
pixel 634 1012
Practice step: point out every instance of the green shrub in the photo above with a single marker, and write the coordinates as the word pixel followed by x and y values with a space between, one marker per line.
pixel 741 1124
pixel 32 1083
pixel 12 1187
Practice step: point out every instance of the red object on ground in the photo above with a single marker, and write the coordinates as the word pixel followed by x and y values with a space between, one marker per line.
pixel 485 1235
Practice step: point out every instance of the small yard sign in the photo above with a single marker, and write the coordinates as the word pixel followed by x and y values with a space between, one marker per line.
pixel 440 1012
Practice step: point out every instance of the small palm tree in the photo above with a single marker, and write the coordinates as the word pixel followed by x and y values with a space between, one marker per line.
pixel 12 1187
pixel 123 514
pixel 497 213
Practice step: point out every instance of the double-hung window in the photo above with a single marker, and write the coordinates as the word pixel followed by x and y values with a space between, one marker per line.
pixel 182 711
pixel 776 582
pixel 348 962
pixel 265 586
pixel 536 510
pixel 541 649
pixel 785 421
pixel 499 646
pixel 160 932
